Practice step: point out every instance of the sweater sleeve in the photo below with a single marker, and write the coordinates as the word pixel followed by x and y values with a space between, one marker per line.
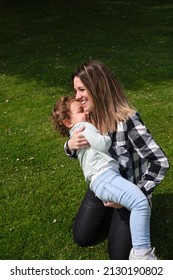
pixel 147 148
pixel 96 140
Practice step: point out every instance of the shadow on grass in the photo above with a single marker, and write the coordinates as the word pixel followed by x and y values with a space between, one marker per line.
pixel 162 225
pixel 45 40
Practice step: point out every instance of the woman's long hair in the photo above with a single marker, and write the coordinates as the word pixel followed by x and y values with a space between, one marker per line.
pixel 110 102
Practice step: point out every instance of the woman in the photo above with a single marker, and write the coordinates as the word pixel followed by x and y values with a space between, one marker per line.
pixel 141 160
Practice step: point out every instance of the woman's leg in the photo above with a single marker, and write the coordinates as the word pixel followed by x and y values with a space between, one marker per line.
pixel 119 241
pixel 92 224
pixel 92 221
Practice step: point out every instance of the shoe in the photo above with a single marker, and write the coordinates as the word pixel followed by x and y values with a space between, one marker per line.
pixel 149 255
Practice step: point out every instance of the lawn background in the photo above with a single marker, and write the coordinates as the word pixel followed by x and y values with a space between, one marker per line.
pixel 41 42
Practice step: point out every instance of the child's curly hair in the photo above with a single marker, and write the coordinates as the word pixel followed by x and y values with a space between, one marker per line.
pixel 60 112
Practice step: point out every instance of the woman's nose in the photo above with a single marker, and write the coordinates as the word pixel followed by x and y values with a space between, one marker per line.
pixel 78 95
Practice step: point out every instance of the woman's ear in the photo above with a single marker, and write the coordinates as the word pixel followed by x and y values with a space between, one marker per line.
pixel 67 123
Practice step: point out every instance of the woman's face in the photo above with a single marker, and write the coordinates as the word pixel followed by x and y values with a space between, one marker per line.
pixel 82 95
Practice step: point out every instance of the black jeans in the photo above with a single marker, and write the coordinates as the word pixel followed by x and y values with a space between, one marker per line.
pixel 94 222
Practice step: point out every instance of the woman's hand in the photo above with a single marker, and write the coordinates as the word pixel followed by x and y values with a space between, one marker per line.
pixel 77 141
pixel 113 205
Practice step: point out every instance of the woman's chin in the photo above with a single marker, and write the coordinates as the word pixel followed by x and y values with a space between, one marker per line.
pixel 85 109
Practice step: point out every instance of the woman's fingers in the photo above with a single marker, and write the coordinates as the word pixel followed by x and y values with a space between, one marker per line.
pixel 112 204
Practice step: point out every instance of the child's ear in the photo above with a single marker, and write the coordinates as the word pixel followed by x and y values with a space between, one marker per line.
pixel 67 123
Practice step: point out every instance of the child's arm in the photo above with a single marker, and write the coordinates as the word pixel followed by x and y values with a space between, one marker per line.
pixel 96 140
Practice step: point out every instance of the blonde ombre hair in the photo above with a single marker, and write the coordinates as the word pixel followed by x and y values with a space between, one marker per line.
pixel 110 103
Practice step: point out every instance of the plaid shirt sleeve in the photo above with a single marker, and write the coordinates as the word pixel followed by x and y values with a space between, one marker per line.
pixel 140 159
pixel 146 147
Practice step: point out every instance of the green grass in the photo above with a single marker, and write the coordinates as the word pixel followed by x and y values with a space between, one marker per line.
pixel 41 44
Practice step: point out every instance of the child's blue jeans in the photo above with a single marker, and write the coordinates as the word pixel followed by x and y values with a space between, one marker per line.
pixel 111 186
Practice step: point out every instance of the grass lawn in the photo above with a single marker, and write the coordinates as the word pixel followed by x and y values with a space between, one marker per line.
pixel 41 42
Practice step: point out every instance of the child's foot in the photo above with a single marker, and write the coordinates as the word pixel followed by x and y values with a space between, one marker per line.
pixel 149 255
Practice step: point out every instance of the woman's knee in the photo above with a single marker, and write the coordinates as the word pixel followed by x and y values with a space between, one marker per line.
pixel 82 239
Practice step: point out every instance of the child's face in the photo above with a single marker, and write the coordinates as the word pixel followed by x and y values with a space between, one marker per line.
pixel 77 113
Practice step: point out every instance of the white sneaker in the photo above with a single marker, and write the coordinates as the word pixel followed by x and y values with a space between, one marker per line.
pixel 149 255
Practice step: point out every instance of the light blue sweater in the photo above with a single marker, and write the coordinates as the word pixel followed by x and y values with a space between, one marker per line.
pixel 93 159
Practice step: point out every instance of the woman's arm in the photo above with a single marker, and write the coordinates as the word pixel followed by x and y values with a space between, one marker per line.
pixel 85 134
pixel 148 149
pixel 76 142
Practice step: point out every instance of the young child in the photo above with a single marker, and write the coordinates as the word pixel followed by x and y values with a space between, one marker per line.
pixel 102 174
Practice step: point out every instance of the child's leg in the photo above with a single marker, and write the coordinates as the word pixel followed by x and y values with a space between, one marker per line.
pixel 110 186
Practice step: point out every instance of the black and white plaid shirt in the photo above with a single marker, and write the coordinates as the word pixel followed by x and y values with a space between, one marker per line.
pixel 141 160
